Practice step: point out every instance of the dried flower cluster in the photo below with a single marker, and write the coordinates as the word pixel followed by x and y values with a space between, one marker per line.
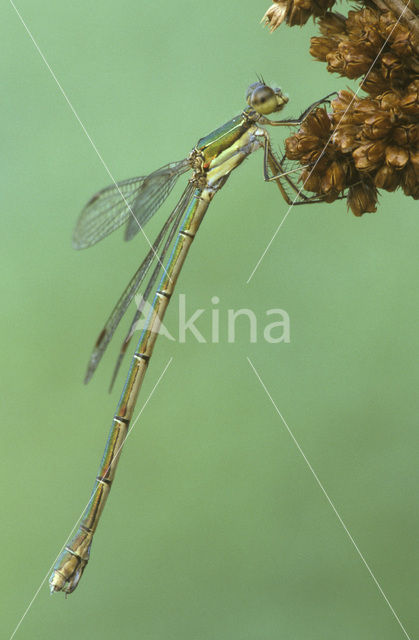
pixel 365 143
pixel 330 170
pixel 365 39
pixel 295 12
pixel 382 136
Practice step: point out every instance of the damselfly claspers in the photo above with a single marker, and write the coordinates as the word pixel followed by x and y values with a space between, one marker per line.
pixel 134 202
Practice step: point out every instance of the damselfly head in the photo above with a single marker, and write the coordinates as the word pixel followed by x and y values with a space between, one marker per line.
pixel 265 99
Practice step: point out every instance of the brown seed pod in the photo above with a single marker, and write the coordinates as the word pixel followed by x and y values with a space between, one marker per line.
pixel 393 70
pixel 311 181
pixel 344 137
pixel 369 142
pixel 333 25
pixel 334 178
pixel 390 101
pixel 409 102
pixel 335 62
pixel 321 47
pixel 275 15
pixel 376 126
pixel 318 123
pixel 362 198
pixel 360 20
pixel 387 178
pixel 374 83
pixel 369 156
pixel 406 134
pixel 294 12
pixel 298 12
pixel 349 109
pixel 410 182
pixel 357 59
pixel 414 161
pixel 402 41
pixel 300 146
pixel 343 100
pixel 396 157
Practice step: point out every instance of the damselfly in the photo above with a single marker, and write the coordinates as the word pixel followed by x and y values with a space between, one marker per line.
pixel 134 202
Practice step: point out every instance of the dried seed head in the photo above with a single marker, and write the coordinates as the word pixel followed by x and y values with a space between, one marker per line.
pixel 364 143
pixel 330 171
pixel 374 144
pixel 382 136
pixel 368 41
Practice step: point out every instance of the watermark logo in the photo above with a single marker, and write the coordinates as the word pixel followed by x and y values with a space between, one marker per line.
pixel 272 326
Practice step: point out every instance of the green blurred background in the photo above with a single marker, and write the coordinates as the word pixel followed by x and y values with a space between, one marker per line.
pixel 215 527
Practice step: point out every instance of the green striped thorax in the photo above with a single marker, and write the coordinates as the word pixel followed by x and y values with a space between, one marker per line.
pixel 261 100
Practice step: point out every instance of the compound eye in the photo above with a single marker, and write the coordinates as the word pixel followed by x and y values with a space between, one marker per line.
pixel 262 95
pixel 262 99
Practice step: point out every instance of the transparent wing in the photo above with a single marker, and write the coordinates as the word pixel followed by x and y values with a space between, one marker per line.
pixel 111 207
pixel 178 211
pixel 134 284
pixel 151 196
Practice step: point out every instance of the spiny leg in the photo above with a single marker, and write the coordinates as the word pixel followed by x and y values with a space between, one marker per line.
pixel 295 122
pixel 300 198
pixel 279 171
pixel 277 167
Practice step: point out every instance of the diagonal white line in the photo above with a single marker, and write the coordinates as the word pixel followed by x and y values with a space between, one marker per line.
pixel 326 495
pixel 90 500
pixel 67 99
pixel 324 148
